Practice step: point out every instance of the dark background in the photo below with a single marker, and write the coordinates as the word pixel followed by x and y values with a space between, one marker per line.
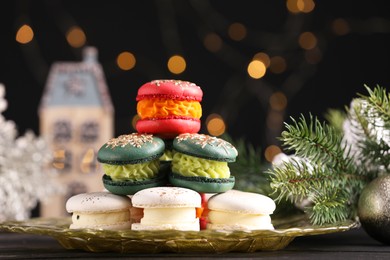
pixel 155 30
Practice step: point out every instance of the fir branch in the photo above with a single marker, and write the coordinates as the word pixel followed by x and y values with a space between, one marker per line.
pixel 378 102
pixel 295 181
pixel 376 153
pixel 317 142
pixel 338 160
pixel 370 119
pixel 330 206
pixel 325 175
pixel 333 196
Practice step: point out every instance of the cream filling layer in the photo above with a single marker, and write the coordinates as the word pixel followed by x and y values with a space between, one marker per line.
pixel 81 219
pixel 133 172
pixel 192 166
pixel 234 218
pixel 161 216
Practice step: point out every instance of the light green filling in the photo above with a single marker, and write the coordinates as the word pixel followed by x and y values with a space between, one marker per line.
pixel 167 156
pixel 133 172
pixel 191 166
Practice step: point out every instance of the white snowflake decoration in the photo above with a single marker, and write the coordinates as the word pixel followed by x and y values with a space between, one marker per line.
pixel 23 173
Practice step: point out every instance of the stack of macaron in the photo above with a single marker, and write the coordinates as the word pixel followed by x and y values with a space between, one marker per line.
pixel 168 108
pixel 169 171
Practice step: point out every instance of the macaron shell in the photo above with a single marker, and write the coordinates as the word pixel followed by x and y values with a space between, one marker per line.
pixel 131 149
pixel 242 202
pixel 97 202
pixel 166 197
pixel 170 89
pixel 168 128
pixel 202 184
pixel 205 146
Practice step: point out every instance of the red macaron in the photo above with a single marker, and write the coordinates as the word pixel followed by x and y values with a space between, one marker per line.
pixel 169 108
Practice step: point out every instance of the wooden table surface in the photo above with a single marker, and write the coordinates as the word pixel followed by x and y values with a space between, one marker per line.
pixel 353 244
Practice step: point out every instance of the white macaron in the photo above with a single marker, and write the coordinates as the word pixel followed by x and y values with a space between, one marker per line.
pixel 167 208
pixel 99 210
pixel 239 210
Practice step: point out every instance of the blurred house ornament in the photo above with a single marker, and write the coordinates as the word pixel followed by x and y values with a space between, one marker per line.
pixel 23 170
pixel 76 117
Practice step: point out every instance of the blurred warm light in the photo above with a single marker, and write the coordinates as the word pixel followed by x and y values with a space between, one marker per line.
pixel 313 56
pixel 278 65
pixel 307 40
pixel 263 57
pixel 256 69
pixel 126 60
pixel 271 151
pixel 134 121
pixel 300 6
pixel 88 161
pixel 59 159
pixel 274 120
pixel 340 26
pixel 25 34
pixel 176 64
pixel 237 31
pixel 212 42
pixel 215 125
pixel 76 37
pixel 278 101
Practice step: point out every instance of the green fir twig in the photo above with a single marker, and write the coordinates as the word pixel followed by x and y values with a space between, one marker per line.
pixel 324 174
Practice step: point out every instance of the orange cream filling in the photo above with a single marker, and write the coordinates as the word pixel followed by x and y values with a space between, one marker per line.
pixel 155 108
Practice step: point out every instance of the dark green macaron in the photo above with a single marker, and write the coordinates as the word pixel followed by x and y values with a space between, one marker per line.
pixel 131 162
pixel 202 184
pixel 200 162
pixel 131 149
pixel 205 146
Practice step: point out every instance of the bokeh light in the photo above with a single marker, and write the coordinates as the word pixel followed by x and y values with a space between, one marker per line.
pixel 59 158
pixel 25 34
pixel 263 57
pixel 76 37
pixel 212 42
pixel 271 151
pixel 278 101
pixel 278 65
pixel 300 6
pixel 88 161
pixel 340 26
pixel 307 40
pixel 215 125
pixel 237 31
pixel 126 60
pixel 176 64
pixel 256 69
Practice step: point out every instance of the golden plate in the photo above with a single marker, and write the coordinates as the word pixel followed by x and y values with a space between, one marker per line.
pixel 205 241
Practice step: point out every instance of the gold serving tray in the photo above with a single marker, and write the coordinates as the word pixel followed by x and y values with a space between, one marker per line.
pixel 205 241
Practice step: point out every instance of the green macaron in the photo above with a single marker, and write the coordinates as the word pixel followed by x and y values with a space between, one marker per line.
pixel 131 163
pixel 200 162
